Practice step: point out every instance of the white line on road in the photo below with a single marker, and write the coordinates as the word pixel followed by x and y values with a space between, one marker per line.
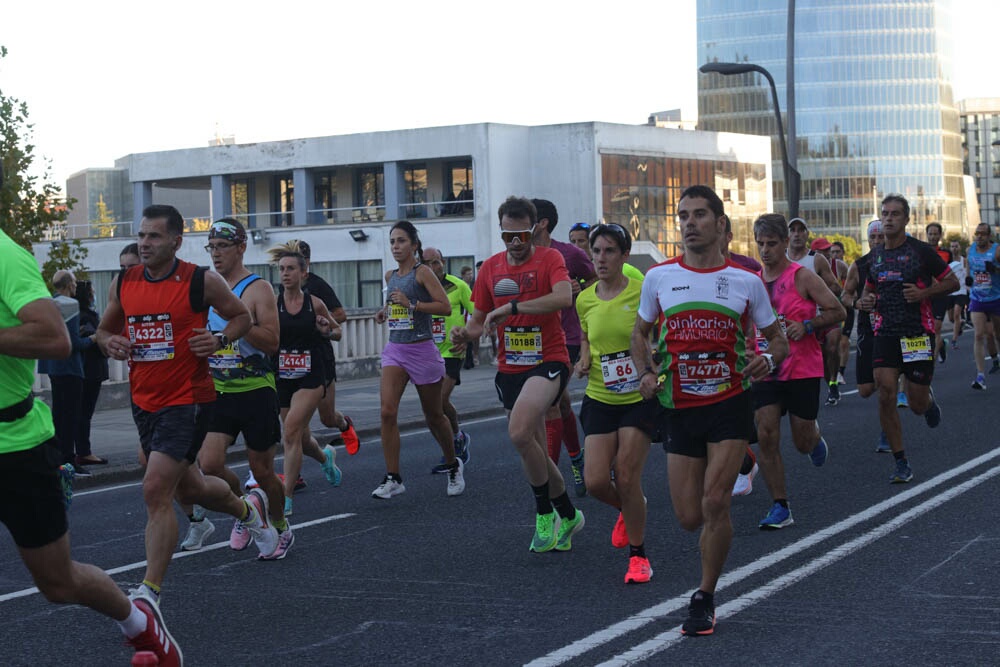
pixel 659 611
pixel 667 639
pixel 180 554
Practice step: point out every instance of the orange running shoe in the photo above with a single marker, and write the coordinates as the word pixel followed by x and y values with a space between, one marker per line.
pixel 351 442
pixel 639 571
pixel 619 536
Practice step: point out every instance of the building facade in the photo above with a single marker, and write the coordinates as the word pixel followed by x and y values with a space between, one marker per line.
pixel 874 112
pixel 980 130
pixel 343 193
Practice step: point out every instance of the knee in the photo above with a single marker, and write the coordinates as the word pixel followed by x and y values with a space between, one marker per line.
pixel 261 466
pixel 689 519
pixel 865 390
pixel 715 505
pixel 599 481
pixel 57 589
pixel 390 413
pixel 212 465
pixel 157 494
pixel 521 435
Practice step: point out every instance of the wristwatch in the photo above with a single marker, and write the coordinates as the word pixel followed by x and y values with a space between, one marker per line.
pixel 513 306
pixel 769 358
pixel 222 338
pixel 808 326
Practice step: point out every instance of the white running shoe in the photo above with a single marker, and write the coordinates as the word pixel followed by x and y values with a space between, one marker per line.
pixel 251 482
pixel 198 532
pixel 456 479
pixel 390 487
pixel 257 522
pixel 744 483
pixel 840 378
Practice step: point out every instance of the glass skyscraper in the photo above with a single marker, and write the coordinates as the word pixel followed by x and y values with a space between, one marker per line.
pixel 873 104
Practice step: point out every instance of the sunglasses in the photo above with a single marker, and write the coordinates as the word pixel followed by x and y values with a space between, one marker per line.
pixel 522 236
pixel 580 226
pixel 219 246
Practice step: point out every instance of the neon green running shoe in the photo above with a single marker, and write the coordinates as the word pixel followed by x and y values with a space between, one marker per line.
pixel 545 533
pixel 567 529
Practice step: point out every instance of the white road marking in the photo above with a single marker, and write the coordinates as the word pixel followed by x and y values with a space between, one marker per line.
pixel 659 611
pixel 180 554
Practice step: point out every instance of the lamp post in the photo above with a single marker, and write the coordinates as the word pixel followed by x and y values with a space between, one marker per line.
pixel 791 174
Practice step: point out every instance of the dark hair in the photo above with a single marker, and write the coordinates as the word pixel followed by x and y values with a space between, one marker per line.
pixel 708 194
pixel 518 208
pixel 305 250
pixel 838 244
pixel 175 222
pixel 546 210
pixel 411 232
pixel 771 224
pixel 900 199
pixel 84 293
pixel 130 249
pixel 934 224
pixel 621 236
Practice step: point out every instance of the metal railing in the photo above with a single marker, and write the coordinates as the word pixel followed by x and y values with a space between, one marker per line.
pixel 439 209
pixel 345 215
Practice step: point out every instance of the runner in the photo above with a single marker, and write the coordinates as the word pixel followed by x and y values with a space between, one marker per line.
pixel 460 297
pixel 519 292
pixel 413 296
pixel 958 301
pixel 245 400
pixel 703 380
pixel 33 493
pixel 984 298
pixel 305 329
pixel 902 276
pixel 129 257
pixel 939 305
pixel 803 304
pixel 164 303
pixel 617 422
pixel 837 253
pixel 857 276
pixel 815 261
pixel 830 337
pixel 579 235
pixel 560 421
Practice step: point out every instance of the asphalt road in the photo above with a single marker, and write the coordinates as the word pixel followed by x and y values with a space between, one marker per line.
pixel 870 574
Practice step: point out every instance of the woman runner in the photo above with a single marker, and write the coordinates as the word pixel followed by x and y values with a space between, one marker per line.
pixel 616 420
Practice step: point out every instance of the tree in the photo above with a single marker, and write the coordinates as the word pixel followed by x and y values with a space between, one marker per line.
pixel 851 248
pixel 31 207
pixel 104 224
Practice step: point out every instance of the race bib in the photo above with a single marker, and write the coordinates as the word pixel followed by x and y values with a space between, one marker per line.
pixel 293 364
pixel 400 318
pixel 982 279
pixel 522 346
pixel 152 337
pixel 916 348
pixel 437 329
pixel 619 373
pixel 703 373
pixel 228 358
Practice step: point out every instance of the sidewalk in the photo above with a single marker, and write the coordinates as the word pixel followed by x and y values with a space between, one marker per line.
pixel 114 436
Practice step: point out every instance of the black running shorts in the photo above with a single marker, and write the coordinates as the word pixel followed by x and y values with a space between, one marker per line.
pixel 886 353
pixel 177 430
pixel 509 385
pixel 798 397
pixel 598 417
pixel 253 413
pixel 688 431
pixel 31 495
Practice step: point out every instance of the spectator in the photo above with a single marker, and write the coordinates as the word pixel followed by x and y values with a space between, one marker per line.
pixel 95 372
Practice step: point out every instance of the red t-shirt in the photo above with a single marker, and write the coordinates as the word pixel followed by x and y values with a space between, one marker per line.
pixel 159 319
pixel 524 340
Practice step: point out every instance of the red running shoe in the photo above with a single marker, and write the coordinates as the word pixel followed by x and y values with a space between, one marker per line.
pixel 156 638
pixel 619 536
pixel 351 442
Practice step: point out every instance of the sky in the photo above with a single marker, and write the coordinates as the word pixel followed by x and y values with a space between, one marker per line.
pixel 106 78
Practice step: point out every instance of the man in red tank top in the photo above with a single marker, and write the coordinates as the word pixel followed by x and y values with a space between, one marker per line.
pixel 162 308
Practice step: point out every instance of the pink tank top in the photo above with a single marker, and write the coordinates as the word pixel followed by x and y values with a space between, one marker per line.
pixel 805 357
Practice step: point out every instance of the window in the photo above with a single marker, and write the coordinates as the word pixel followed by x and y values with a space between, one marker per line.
pixel 357 284
pixel 241 193
pixel 455 264
pixel 458 188
pixel 282 200
pixel 369 192
pixel 415 185
pixel 324 197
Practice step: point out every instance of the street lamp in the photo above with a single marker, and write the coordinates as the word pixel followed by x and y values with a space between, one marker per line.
pixel 792 178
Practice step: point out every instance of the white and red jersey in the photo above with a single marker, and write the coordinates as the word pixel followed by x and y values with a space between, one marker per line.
pixel 702 341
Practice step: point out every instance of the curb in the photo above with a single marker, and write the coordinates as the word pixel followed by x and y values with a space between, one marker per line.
pixel 237 453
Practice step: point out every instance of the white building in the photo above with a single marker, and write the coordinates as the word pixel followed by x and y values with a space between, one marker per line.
pixel 343 193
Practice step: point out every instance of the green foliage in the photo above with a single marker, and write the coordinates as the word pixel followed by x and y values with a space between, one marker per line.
pixel 31 207
pixel 852 250
pixel 65 255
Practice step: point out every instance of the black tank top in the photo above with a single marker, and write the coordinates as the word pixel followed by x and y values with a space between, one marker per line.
pixel 298 331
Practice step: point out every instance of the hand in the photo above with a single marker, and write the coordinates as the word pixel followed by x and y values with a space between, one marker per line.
pixel 380 316
pixel 912 293
pixel 649 386
pixel 991 267
pixel 794 331
pixel 757 366
pixel 203 343
pixel 866 303
pixel 968 281
pixel 496 317
pixel 323 326
pixel 575 287
pixel 459 337
pixel 399 299
pixel 119 348
pixel 582 368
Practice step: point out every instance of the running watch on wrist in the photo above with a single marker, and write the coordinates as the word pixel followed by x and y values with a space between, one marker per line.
pixel 222 338
pixel 513 306
pixel 769 358
pixel 808 325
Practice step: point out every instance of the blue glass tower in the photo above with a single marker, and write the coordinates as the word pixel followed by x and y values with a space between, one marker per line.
pixel 873 101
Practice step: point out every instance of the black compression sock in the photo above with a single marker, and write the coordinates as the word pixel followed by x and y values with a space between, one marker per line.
pixel 542 503
pixel 564 506
pixel 782 501
pixel 639 551
pixel 900 455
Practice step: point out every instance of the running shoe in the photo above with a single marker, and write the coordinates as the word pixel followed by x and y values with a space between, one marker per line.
pixel 456 479
pixel 820 453
pixel 285 541
pixel 901 400
pixel 155 638
pixel 198 512
pixel 933 414
pixel 545 532
pixel 251 482
pixel 264 534
pixel 883 444
pixel 995 367
pixel 330 469
pixel 576 465
pixel 979 383
pixel 66 474
pixel 701 617
pixel 352 444
pixel 954 344
pixel 389 488
pixel 902 474
pixel 779 517
pixel 144 591
pixel 567 529
pixel 198 532
pixel 288 507
pixel 299 483
pixel 462 442
pixel 639 571
pixel 834 396
pixel 840 378
pixel 943 354
pixel 80 471
pixel 619 534
pixel 744 483
pixel 239 537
